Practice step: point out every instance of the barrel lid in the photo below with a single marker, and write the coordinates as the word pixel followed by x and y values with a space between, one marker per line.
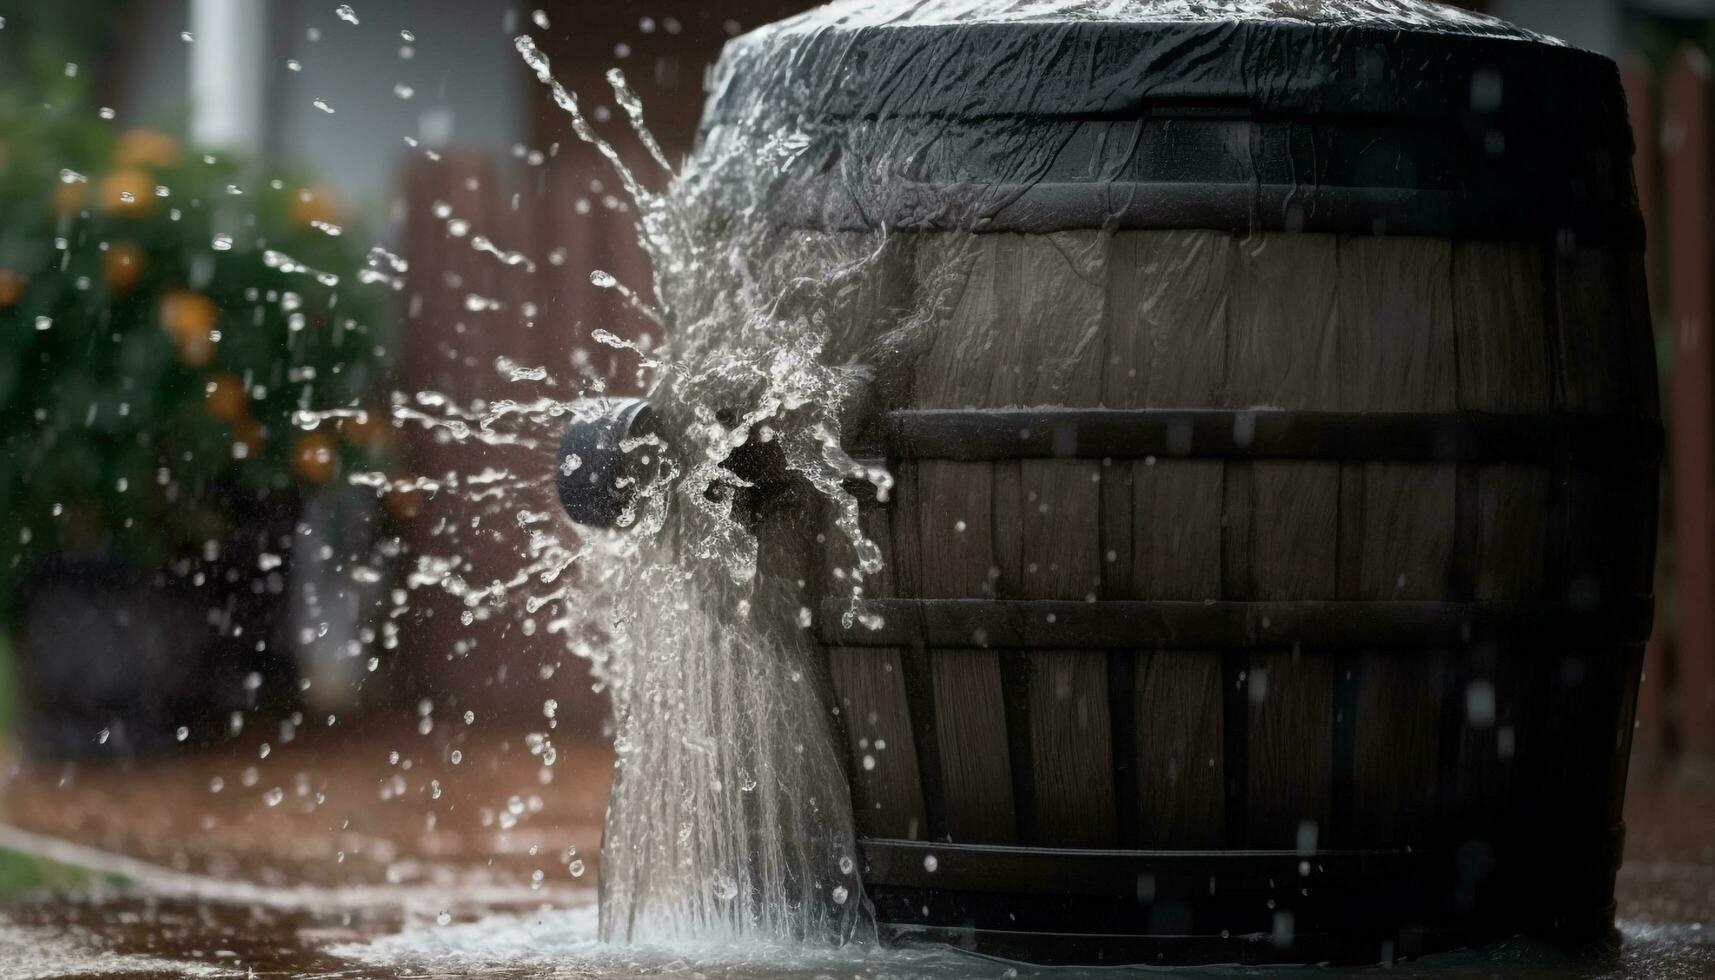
pixel 1389 116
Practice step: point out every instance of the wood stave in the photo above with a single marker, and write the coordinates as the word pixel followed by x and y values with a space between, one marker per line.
pixel 1355 799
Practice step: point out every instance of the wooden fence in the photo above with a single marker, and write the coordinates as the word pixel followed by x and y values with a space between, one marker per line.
pixel 1670 119
pixel 499 286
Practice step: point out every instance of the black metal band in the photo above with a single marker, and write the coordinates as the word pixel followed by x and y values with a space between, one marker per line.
pixel 1334 624
pixel 1115 873
pixel 1054 433
pixel 1236 207
pixel 1350 947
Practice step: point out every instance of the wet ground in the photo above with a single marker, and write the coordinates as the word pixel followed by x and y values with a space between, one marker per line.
pixel 380 854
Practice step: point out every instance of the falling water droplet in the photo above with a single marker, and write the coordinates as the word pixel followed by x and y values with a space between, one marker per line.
pixel 323 106
pixel 345 13
pixel 222 242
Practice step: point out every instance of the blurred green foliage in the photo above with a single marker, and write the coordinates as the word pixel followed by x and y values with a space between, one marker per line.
pixel 163 315
pixel 22 874
pixel 8 708
pixel 39 39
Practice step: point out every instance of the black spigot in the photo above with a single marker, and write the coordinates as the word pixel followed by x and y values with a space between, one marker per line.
pixel 596 478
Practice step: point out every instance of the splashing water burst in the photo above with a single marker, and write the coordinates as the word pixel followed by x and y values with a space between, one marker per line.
pixel 730 817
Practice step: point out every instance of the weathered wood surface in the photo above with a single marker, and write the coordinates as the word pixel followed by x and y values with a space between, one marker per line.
pixel 1398 354
pixel 1167 292
pixel 1158 748
pixel 544 317
pixel 1686 163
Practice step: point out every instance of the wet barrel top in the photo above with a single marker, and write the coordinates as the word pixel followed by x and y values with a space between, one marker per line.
pixel 1365 116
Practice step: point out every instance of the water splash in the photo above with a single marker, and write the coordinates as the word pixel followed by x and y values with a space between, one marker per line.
pixel 730 818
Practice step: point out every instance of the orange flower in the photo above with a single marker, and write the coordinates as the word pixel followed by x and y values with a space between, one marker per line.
pixel 184 313
pixel 248 438
pixel 69 197
pixel 370 430
pixel 313 457
pixel 403 504
pixel 147 148
pixel 189 319
pixel 196 351
pixel 127 192
pixel 122 266
pixel 224 398
pixel 11 287
pixel 315 204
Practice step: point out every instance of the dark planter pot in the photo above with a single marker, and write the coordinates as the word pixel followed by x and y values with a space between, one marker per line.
pixel 114 661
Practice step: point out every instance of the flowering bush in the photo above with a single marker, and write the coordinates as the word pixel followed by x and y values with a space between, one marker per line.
pixel 163 316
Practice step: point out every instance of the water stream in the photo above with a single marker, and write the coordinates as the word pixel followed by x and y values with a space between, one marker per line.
pixel 730 818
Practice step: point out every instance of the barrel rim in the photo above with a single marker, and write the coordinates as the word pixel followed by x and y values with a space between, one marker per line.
pixel 1513 157
pixel 1409 97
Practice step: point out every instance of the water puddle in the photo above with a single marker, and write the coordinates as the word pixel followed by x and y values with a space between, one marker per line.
pixel 566 943
pixel 39 952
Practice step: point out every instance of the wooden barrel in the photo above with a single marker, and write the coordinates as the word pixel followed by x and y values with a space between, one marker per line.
pixel 1270 555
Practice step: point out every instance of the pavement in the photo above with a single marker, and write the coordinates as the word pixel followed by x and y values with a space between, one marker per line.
pixel 319 856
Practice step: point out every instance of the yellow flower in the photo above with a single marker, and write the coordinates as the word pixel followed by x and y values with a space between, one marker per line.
pixel 128 192
pixel 313 457
pixel 11 287
pixel 122 266
pixel 146 148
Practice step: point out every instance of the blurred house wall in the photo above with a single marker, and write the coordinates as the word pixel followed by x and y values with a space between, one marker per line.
pixel 563 205
pixel 1596 25
pixel 467 84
